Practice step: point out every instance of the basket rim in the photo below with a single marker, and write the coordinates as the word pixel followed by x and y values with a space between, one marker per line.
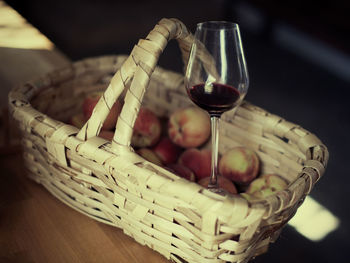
pixel 230 227
pixel 19 102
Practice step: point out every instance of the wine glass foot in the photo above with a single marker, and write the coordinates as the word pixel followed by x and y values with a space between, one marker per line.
pixel 216 190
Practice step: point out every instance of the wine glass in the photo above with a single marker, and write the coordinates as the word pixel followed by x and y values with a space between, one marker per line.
pixel 216 77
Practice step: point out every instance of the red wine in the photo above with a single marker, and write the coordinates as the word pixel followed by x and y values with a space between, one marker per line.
pixel 215 99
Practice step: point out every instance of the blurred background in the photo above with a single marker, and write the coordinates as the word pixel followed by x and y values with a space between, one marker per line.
pixel 298 56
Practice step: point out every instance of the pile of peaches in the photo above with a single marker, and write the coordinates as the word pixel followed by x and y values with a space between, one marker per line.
pixel 177 143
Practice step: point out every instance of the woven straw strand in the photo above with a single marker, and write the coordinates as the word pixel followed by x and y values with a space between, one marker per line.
pixel 109 182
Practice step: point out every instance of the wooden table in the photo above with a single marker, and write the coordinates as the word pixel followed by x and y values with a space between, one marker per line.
pixel 34 225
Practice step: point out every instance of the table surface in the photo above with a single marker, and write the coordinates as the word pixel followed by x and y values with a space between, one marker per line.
pixel 34 225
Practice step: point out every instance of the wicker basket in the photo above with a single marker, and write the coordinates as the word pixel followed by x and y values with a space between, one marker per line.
pixel 109 182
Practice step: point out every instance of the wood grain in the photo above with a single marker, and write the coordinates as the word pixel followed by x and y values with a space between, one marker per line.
pixel 25 53
pixel 36 227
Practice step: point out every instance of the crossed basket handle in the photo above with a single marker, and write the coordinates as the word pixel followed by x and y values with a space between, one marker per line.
pixel 137 69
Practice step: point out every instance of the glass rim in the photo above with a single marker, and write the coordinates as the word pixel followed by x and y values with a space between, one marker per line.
pixel 219 25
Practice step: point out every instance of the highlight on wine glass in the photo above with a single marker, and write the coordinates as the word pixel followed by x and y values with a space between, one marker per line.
pixel 216 77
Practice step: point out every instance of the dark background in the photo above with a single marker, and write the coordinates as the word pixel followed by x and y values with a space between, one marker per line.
pixel 299 66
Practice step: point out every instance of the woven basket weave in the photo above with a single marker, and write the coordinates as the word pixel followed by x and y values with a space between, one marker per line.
pixel 109 182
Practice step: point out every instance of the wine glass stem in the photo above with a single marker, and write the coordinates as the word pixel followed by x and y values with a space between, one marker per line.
pixel 213 182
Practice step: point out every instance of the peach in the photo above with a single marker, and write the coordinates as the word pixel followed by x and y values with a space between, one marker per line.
pixel 77 120
pixel 89 104
pixel 149 155
pixel 108 135
pixel 147 129
pixel 224 184
pixel 265 185
pixel 167 151
pixel 182 171
pixel 199 161
pixel 240 165
pixel 189 127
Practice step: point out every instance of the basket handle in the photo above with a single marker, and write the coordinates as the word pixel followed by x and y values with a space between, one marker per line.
pixel 137 69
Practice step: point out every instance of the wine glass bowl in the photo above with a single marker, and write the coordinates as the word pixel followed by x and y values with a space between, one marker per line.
pixel 216 77
pixel 215 98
